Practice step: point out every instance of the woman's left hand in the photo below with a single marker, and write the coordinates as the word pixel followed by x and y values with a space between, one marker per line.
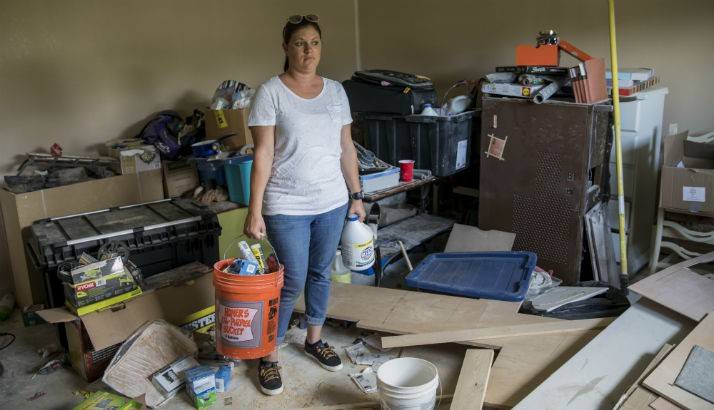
pixel 357 208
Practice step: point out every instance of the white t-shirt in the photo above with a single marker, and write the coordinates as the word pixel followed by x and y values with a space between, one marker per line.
pixel 306 177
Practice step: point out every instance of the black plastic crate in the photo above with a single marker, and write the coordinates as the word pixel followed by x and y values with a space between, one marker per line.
pixel 441 144
pixel 160 236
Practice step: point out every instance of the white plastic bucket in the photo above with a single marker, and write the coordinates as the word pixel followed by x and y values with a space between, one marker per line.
pixel 407 383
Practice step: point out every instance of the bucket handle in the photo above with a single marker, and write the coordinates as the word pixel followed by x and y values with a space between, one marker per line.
pixel 244 237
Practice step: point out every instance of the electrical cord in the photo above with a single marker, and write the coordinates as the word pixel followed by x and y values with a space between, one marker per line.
pixel 12 339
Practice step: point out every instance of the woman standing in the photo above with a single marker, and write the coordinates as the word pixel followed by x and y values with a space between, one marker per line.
pixel 304 179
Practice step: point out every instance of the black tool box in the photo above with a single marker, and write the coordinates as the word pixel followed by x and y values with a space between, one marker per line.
pixel 159 236
pixel 391 92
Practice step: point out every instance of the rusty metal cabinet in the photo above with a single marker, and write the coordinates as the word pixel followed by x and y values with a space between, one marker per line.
pixel 542 168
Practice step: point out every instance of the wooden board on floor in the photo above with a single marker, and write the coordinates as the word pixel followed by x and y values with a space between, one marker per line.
pixel 661 403
pixel 473 379
pixel 662 378
pixel 595 377
pixel 523 363
pixel 639 399
pixel 680 288
pixel 403 312
pixel 642 396
pixel 496 332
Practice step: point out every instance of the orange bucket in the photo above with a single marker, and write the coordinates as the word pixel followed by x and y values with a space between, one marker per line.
pixel 246 312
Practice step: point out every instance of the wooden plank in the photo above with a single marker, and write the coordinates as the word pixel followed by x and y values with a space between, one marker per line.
pixel 640 399
pixel 680 288
pixel 663 352
pixel 661 380
pixel 597 374
pixel 466 238
pixel 661 403
pixel 402 187
pixel 486 333
pixel 524 362
pixel 473 379
pixel 404 312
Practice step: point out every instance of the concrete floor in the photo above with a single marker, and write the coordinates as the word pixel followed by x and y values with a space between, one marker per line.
pixel 306 384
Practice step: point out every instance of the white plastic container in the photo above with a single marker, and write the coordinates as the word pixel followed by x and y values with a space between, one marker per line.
pixel 357 245
pixel 339 272
pixel 429 111
pixel 407 383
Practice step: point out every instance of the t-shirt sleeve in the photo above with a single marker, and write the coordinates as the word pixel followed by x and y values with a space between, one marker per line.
pixel 346 113
pixel 262 111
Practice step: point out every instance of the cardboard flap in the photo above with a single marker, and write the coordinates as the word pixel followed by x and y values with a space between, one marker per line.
pixel 674 148
pixel 57 315
pixel 109 327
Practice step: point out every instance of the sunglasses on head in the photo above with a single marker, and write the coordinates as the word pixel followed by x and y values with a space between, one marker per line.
pixel 297 18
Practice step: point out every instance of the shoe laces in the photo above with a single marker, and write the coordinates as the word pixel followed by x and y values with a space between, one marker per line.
pixel 270 372
pixel 325 350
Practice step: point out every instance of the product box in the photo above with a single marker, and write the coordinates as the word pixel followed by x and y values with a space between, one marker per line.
pixel 93 339
pixel 511 90
pixel 201 386
pixel 170 379
pixel 133 155
pixel 687 179
pixel 102 400
pixel 179 177
pixel 96 290
pixel 229 126
pixel 19 211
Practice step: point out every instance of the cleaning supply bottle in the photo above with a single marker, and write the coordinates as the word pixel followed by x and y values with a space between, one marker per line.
pixel 339 272
pixel 357 245
pixel 429 111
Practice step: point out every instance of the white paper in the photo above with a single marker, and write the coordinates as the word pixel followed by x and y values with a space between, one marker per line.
pixel 694 193
pixel 461 149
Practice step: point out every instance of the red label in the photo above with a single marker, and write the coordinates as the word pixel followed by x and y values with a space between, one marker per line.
pixel 236 323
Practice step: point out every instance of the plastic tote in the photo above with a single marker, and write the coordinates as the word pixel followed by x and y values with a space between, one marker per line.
pixel 238 171
pixel 407 383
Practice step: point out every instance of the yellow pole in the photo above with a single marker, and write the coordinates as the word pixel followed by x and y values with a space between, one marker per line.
pixel 618 146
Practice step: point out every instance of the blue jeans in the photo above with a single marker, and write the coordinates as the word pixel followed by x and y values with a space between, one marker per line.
pixel 306 245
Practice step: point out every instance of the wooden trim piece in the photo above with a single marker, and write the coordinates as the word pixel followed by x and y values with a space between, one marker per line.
pixel 473 379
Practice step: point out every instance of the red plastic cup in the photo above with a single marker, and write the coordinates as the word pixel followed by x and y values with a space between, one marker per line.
pixel 406 169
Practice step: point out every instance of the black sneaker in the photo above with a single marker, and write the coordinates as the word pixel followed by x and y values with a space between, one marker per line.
pixel 269 378
pixel 324 354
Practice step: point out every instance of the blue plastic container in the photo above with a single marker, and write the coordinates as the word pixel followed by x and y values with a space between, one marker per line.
pixel 238 178
pixel 488 275
pixel 205 149
pixel 211 172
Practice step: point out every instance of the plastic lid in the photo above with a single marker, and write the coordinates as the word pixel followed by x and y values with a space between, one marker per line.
pixel 353 217
pixel 427 105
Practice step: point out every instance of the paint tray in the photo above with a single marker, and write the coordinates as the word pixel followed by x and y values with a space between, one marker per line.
pixel 487 275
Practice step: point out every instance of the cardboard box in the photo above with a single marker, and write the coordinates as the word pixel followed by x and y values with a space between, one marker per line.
pixel 133 155
pixel 93 339
pixel 229 126
pixel 21 210
pixel 687 180
pixel 179 177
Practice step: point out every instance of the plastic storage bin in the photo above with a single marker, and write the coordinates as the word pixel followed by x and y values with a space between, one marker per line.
pixel 441 144
pixel 159 235
pixel 488 275
pixel 238 178
pixel 211 172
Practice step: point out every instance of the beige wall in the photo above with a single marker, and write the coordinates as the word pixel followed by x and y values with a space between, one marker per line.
pixel 458 39
pixel 80 72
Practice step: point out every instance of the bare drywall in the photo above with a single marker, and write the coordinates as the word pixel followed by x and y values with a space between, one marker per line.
pixel 458 39
pixel 79 72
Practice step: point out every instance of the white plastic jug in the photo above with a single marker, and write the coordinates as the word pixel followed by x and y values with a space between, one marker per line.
pixel 339 272
pixel 357 245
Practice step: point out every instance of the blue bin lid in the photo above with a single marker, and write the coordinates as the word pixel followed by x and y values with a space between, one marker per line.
pixel 488 275
pixel 239 159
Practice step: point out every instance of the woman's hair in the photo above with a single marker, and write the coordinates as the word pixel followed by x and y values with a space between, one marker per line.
pixel 291 28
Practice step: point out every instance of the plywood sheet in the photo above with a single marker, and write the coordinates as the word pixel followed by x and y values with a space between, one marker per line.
pixel 595 377
pixel 662 378
pixel 680 288
pixel 465 238
pixel 632 399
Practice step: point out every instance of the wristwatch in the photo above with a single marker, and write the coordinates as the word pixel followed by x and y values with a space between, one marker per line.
pixel 357 195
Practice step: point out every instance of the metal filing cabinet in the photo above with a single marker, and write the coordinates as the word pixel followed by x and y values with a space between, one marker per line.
pixel 541 171
pixel 641 125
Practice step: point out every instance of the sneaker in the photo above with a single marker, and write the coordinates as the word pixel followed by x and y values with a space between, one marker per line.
pixel 269 378
pixel 324 354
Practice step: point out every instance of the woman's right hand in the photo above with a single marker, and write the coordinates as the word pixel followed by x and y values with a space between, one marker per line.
pixel 254 226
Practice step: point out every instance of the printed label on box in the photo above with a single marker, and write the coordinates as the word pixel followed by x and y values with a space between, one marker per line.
pixel 694 193
pixel 220 119
pixel 461 149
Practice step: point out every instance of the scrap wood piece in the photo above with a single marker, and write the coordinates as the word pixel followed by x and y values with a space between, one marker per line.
pixel 487 333
pixel 466 238
pixel 697 375
pixel 663 377
pixel 640 399
pixel 680 289
pixel 523 363
pixel 663 352
pixel 660 403
pixel 473 379
pixel 363 405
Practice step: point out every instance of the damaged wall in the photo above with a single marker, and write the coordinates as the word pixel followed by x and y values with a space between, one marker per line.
pixel 466 39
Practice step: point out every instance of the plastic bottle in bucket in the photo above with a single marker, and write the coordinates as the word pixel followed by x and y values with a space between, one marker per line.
pixel 357 245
